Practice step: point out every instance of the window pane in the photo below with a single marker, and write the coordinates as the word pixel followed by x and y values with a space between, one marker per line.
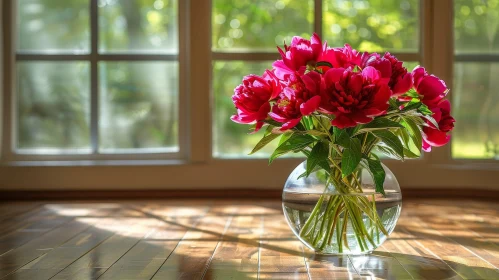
pixel 231 139
pixel 476 110
pixel 138 107
pixel 260 24
pixel 53 109
pixel 410 65
pixel 138 26
pixel 53 26
pixel 373 25
pixel 476 26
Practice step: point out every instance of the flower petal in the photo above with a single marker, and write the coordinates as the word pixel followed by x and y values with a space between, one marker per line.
pixel 426 146
pixel 257 127
pixel 309 82
pixel 359 117
pixel 242 119
pixel 333 75
pixel 371 73
pixel 355 83
pixel 435 137
pixel 431 87
pixel 277 118
pixel 263 112
pixel 403 85
pixel 290 124
pixel 342 121
pixel 418 74
pixel 281 69
pixel 310 106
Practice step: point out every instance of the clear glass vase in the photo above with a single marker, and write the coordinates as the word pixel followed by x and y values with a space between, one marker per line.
pixel 335 215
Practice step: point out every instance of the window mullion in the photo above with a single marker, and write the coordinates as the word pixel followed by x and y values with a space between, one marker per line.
pixel 9 72
pixel 271 56
pixel 318 17
pixel 442 59
pixel 478 57
pixel 200 68
pixel 252 56
pixel 94 84
pixel 426 33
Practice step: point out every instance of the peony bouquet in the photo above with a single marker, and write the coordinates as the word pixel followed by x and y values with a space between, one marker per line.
pixel 341 108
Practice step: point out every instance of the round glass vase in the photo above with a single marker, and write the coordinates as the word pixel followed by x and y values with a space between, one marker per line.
pixel 335 215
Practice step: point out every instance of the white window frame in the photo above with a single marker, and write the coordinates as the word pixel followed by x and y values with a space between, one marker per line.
pixel 199 170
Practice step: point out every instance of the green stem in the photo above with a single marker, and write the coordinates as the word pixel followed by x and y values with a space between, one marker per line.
pixel 344 230
pixel 319 235
pixel 357 222
pixel 338 235
pixel 312 216
pixel 337 214
pixel 374 210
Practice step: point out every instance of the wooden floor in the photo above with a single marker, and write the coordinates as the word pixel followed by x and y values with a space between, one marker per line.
pixel 212 239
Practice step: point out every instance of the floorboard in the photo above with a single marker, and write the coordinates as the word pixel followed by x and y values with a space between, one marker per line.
pixel 234 239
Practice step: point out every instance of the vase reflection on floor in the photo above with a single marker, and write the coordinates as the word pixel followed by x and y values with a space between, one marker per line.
pixel 333 222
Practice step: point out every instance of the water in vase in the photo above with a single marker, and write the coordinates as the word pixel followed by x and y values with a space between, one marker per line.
pixel 330 232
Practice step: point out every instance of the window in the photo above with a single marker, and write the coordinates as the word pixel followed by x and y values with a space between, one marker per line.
pixel 95 79
pixel 245 35
pixel 148 82
pixel 476 68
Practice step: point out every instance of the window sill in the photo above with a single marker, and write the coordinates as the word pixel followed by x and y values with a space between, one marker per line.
pixel 70 163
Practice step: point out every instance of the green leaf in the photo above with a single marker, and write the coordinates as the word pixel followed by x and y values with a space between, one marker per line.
pixel 425 110
pixel 263 142
pixel 313 133
pixel 409 154
pixel 272 122
pixel 378 124
pixel 388 152
pixel 390 140
pixel 414 130
pixel 285 137
pixel 412 93
pixel 377 172
pixel 341 137
pixel 318 154
pixel 410 149
pixel 308 122
pixel 432 120
pixel 351 157
pixel 269 130
pixel 294 143
pixel 304 174
pixel 404 134
pixel 325 123
pixel 412 106
pixel 394 104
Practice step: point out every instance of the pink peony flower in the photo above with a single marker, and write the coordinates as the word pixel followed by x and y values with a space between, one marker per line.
pixel 391 69
pixel 298 55
pixel 252 97
pixel 354 97
pixel 437 137
pixel 345 57
pixel 300 97
pixel 430 88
